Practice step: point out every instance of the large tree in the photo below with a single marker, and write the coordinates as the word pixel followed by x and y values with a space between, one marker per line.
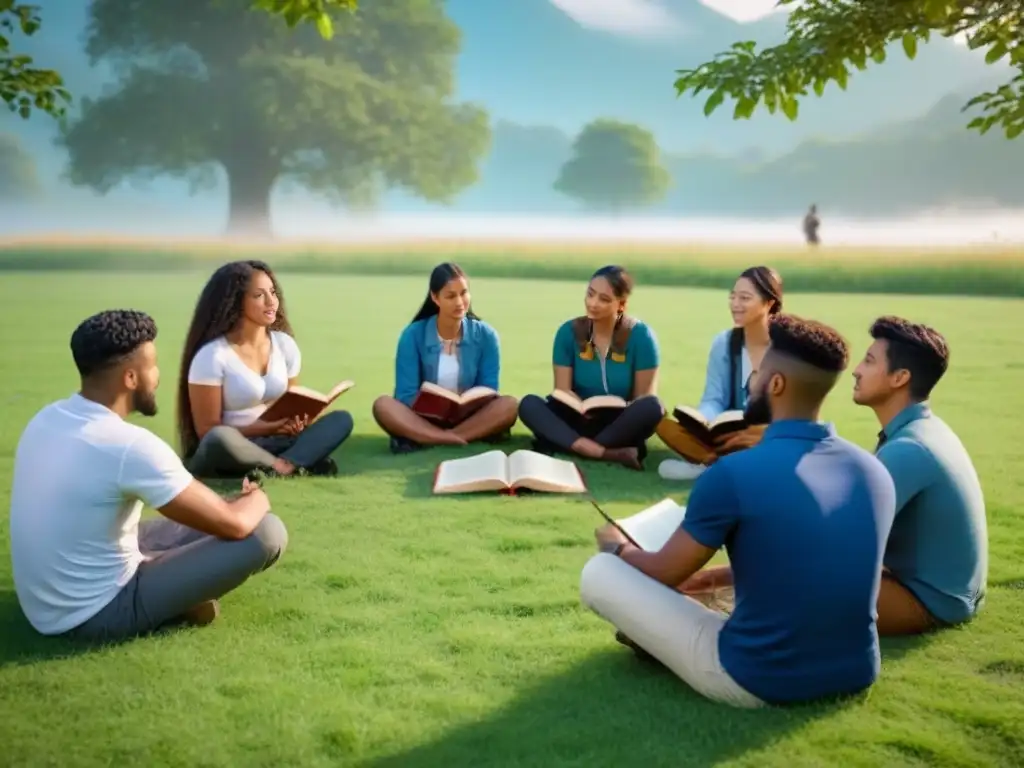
pixel 827 38
pixel 18 178
pixel 614 166
pixel 207 84
pixel 24 86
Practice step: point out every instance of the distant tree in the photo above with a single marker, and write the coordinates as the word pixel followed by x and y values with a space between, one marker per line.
pixel 23 86
pixel 826 37
pixel 206 85
pixel 18 178
pixel 614 166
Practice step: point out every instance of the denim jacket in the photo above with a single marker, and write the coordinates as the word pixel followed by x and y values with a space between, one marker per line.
pixel 419 350
pixel 717 385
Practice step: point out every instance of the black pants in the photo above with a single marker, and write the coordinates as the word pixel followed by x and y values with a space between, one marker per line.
pixel 226 452
pixel 557 427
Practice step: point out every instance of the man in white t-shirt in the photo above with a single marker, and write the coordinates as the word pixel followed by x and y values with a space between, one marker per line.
pixel 83 564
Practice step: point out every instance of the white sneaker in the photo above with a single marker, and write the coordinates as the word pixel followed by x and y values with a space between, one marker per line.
pixel 675 469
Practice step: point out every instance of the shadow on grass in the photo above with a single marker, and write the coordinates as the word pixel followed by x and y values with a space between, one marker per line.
pixel 21 644
pixel 613 710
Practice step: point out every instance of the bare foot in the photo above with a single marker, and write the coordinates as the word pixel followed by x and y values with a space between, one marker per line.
pixel 452 438
pixel 627 457
pixel 202 614
pixel 283 467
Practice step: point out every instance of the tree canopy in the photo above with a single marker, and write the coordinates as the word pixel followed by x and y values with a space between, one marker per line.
pixel 826 38
pixel 204 85
pixel 614 166
pixel 18 178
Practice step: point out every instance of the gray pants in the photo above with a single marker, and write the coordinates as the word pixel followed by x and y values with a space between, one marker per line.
pixel 226 452
pixel 186 568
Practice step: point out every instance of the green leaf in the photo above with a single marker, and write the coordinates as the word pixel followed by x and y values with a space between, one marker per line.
pixel 714 101
pixel 744 108
pixel 324 26
pixel 995 53
pixel 976 123
pixel 1014 130
pixel 878 55
pixel 790 107
pixel 910 45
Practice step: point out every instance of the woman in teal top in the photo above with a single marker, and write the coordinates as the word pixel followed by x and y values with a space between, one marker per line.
pixel 605 352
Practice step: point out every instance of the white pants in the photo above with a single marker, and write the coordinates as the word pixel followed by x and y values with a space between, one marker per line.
pixel 675 629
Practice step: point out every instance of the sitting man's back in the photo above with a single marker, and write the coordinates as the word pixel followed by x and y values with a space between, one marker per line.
pixel 804 517
pixel 83 563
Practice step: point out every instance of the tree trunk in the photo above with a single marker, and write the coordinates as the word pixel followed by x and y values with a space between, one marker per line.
pixel 250 182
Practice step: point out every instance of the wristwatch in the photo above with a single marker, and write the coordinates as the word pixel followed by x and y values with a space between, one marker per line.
pixel 618 549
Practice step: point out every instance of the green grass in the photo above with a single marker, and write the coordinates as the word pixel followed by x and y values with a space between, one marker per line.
pixel 406 630
pixel 989 271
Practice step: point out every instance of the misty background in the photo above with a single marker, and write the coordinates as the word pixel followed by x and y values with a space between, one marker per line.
pixel 887 161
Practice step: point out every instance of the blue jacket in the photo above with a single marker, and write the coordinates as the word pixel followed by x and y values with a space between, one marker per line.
pixel 419 350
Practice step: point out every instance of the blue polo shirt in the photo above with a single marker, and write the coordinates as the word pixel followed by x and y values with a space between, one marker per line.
pixel 610 376
pixel 938 548
pixel 804 516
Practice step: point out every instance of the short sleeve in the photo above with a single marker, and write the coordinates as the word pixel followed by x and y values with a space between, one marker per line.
pixel 647 355
pixel 564 351
pixel 151 471
pixel 713 509
pixel 292 355
pixel 910 466
pixel 207 366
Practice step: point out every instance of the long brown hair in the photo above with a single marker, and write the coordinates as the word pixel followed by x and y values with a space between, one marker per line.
pixel 217 311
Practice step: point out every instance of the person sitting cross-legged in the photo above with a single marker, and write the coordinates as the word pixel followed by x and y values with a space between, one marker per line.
pixel 84 566
pixel 936 559
pixel 803 515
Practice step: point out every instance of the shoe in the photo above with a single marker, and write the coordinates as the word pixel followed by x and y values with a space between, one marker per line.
pixel 324 468
pixel 202 614
pixel 501 437
pixel 640 652
pixel 676 469
pixel 401 445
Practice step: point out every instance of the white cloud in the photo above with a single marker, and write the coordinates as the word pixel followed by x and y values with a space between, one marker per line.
pixel 743 10
pixel 638 17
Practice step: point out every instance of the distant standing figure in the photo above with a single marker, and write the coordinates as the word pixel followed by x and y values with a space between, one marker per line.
pixel 811 225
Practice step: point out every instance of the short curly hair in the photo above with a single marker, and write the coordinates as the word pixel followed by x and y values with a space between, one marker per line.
pixel 809 341
pixel 916 348
pixel 107 338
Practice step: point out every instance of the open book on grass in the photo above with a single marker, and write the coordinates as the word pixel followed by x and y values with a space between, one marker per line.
pixel 442 405
pixel 496 471
pixel 584 407
pixel 303 401
pixel 650 528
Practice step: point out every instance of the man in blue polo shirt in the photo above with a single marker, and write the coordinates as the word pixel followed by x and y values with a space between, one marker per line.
pixel 936 560
pixel 804 516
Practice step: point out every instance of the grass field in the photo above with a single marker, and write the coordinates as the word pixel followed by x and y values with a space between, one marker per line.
pixel 405 630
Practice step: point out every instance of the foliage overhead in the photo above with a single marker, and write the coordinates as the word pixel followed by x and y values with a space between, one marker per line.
pixel 18 178
pixel 828 37
pixel 23 86
pixel 205 84
pixel 613 166
pixel 297 12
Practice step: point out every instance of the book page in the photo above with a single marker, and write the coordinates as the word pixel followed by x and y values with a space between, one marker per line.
pixel 475 393
pixel 340 388
pixel 726 417
pixel 568 398
pixel 312 394
pixel 472 473
pixel 653 526
pixel 435 389
pixel 604 401
pixel 693 413
pixel 530 469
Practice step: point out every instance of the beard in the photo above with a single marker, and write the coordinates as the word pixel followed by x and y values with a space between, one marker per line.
pixel 144 403
pixel 758 410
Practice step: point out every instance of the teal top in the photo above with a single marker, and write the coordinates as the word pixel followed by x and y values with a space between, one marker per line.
pixel 938 546
pixel 606 376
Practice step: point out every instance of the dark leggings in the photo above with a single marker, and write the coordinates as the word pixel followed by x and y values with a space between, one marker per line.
pixel 558 427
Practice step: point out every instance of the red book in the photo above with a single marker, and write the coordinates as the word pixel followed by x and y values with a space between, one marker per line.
pixel 449 408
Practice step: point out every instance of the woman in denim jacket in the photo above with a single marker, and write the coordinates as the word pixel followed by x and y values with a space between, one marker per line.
pixel 448 345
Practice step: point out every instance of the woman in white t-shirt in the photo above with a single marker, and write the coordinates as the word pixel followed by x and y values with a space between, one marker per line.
pixel 239 356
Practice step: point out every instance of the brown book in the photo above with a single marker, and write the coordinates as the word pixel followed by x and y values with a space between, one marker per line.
pixel 447 407
pixel 496 471
pixel 591 404
pixel 303 401
pixel 705 431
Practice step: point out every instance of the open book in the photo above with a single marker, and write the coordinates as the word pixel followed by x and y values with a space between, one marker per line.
pixel 494 471
pixel 653 526
pixel 705 431
pixel 303 401
pixel 584 407
pixel 442 405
